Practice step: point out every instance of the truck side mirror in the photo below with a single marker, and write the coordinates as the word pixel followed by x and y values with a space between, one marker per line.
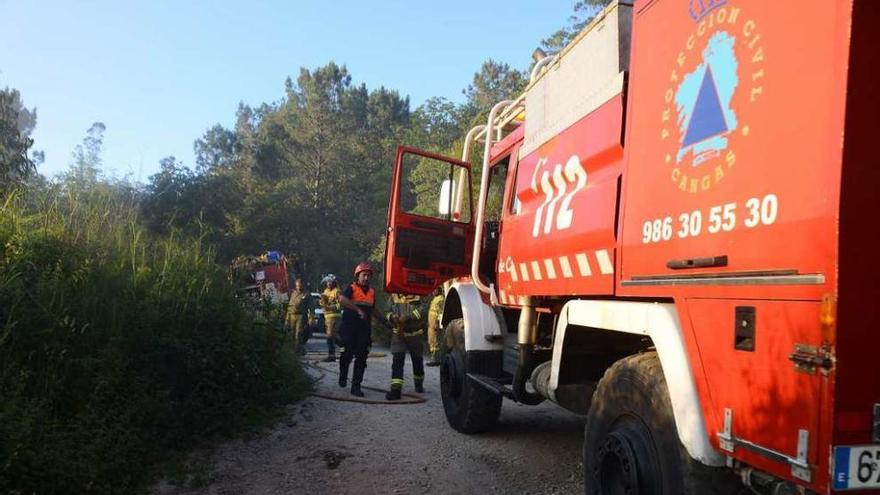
pixel 445 205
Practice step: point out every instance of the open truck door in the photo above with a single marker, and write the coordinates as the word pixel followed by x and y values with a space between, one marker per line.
pixel 430 227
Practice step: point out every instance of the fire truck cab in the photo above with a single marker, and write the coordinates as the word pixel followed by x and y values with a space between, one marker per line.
pixel 671 234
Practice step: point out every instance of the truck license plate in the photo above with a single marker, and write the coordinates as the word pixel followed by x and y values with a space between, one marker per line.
pixel 856 467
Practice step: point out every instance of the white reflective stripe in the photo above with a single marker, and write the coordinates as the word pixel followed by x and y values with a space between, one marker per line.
pixel 536 270
pixel 503 296
pixel 551 271
pixel 583 264
pixel 511 269
pixel 525 272
pixel 566 267
pixel 605 265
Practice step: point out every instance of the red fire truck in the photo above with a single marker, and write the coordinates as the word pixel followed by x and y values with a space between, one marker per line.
pixel 672 236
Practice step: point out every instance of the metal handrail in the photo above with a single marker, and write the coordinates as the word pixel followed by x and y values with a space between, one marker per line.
pixel 465 157
pixel 540 65
pixel 469 140
pixel 481 203
pixel 505 117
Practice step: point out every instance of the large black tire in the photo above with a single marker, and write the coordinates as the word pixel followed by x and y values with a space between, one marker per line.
pixel 631 443
pixel 469 407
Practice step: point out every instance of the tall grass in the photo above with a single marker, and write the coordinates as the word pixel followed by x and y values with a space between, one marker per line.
pixel 117 348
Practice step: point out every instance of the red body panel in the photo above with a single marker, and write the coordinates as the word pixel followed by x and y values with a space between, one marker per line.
pixel 276 274
pixel 770 401
pixel 561 239
pixel 779 109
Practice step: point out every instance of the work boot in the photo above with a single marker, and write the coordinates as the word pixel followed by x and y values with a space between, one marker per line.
pixel 393 394
pixel 343 371
pixel 435 359
pixel 357 375
pixel 329 359
pixel 419 388
pixel 356 390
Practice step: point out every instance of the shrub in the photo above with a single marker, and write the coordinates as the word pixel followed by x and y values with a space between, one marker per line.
pixel 117 348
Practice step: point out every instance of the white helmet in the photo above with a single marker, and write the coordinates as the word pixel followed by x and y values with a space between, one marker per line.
pixel 328 278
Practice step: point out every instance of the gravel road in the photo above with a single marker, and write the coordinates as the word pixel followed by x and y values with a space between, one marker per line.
pixel 330 447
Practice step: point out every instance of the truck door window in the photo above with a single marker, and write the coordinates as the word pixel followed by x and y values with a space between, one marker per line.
pixel 515 203
pixel 495 193
pixel 492 219
pixel 434 188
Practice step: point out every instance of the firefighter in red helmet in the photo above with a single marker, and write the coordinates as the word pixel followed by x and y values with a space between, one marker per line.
pixel 357 300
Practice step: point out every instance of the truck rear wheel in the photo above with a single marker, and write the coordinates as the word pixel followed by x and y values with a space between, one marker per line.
pixel 469 407
pixel 631 443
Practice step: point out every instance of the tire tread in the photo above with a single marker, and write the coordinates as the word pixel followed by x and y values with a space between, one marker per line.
pixel 697 478
pixel 478 408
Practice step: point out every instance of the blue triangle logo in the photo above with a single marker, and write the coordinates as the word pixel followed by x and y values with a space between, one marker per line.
pixel 707 119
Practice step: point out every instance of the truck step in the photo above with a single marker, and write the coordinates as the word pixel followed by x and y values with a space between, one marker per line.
pixel 492 384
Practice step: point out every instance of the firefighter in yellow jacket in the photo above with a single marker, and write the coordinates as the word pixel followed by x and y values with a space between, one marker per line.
pixel 434 312
pixel 329 302
pixel 407 316
pixel 297 318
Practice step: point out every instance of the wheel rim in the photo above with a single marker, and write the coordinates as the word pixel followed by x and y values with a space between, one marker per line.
pixel 627 462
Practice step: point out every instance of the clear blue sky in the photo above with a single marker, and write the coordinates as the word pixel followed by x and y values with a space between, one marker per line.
pixel 159 73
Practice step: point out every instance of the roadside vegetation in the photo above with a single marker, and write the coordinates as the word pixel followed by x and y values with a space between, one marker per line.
pixel 119 348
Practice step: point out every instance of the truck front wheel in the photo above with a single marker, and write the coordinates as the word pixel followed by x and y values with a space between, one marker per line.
pixel 631 443
pixel 469 407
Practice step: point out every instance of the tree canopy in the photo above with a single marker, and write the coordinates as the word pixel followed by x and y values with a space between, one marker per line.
pixel 308 175
pixel 16 125
pixel 584 11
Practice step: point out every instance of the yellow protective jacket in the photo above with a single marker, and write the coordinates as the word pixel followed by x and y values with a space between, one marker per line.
pixel 436 307
pixel 298 303
pixel 407 314
pixel 330 302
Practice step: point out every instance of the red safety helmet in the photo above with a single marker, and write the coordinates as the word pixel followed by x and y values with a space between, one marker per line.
pixel 364 266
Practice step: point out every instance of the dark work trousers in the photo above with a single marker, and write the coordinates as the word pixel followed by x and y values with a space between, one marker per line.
pixel 356 342
pixel 400 345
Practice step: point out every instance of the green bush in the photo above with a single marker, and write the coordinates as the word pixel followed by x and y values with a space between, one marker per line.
pixel 117 349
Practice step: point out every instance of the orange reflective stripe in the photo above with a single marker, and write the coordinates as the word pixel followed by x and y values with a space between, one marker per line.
pixel 361 297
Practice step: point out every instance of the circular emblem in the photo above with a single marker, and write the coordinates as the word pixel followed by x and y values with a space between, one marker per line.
pixel 716 78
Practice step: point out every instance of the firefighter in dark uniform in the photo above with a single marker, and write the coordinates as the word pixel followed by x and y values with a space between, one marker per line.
pixel 408 317
pixel 357 300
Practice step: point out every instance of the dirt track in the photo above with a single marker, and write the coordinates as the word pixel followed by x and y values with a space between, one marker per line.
pixel 325 446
